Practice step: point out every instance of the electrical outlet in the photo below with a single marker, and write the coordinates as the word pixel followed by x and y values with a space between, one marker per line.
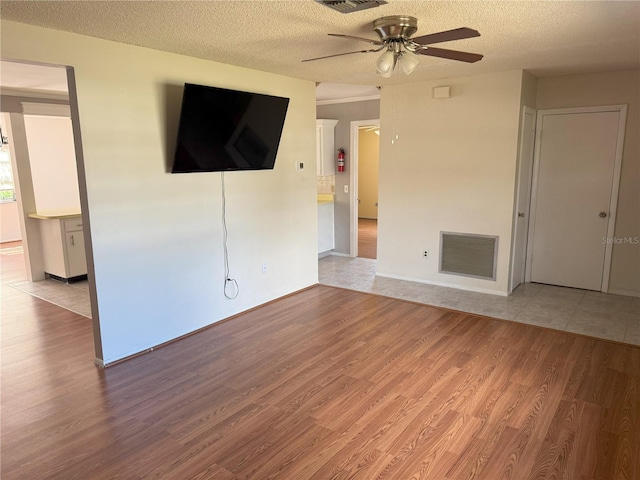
pixel 425 254
pixel 264 268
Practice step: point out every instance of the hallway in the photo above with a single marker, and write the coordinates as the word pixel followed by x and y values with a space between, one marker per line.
pixel 367 238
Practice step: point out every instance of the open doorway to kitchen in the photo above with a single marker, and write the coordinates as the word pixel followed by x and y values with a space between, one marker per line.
pixel 44 151
pixel 365 139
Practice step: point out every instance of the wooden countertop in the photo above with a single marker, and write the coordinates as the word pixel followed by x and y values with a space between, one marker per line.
pixel 55 214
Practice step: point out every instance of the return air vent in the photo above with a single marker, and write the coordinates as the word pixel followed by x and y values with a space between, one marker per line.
pixel 348 6
pixel 468 255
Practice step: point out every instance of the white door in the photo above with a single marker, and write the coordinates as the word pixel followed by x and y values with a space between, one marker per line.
pixel 577 160
pixel 76 256
pixel 523 196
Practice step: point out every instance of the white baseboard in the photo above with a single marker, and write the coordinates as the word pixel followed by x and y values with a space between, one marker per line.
pixel 340 254
pixel 443 284
pixel 626 293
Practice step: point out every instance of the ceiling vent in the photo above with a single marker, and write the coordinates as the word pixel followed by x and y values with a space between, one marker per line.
pixel 348 6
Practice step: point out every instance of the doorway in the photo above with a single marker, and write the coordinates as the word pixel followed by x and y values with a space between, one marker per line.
pixel 574 195
pixel 523 197
pixel 365 141
pixel 38 105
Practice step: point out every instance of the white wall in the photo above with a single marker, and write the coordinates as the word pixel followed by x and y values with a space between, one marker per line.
pixel 157 237
pixel 10 222
pixel 451 169
pixel 53 163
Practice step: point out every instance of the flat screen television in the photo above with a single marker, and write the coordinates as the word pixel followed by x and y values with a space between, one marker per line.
pixel 222 130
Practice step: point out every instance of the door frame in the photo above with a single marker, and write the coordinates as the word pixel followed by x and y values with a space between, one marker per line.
pixel 615 187
pixel 519 186
pixel 353 187
pixel 30 228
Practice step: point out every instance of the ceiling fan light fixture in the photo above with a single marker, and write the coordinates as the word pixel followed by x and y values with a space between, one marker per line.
pixel 408 62
pixel 386 63
pixel 400 47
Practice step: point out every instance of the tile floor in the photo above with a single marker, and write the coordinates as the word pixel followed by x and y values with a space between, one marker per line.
pixel 612 317
pixel 72 296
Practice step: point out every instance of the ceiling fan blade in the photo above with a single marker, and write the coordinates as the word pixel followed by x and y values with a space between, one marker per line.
pixel 447 36
pixel 369 41
pixel 340 54
pixel 450 54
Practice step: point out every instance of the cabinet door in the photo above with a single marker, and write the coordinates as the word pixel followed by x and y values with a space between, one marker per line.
pixel 328 154
pixel 325 154
pixel 326 238
pixel 319 150
pixel 76 258
pixel 53 248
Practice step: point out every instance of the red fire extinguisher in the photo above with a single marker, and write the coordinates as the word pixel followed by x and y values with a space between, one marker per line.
pixel 341 159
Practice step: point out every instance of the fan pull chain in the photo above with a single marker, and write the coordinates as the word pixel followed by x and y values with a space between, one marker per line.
pixel 394 115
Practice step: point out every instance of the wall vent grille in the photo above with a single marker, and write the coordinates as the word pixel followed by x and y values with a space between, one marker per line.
pixel 348 6
pixel 468 254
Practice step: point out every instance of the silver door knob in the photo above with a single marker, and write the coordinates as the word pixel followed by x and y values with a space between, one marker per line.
pixel 521 214
pixel 602 214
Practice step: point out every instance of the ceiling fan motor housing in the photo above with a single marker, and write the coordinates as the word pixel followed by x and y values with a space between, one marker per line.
pixel 396 27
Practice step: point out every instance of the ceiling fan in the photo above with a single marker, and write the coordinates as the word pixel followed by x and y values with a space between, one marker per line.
pixel 400 49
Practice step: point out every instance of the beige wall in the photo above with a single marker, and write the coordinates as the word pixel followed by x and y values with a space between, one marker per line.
pixel 452 169
pixel 368 160
pixel 529 93
pixel 612 88
pixel 157 237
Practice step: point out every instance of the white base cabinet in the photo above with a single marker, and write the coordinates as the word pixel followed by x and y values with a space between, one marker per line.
pixel 326 238
pixel 63 247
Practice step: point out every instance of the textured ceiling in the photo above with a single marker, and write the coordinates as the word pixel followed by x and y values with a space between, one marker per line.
pixel 545 37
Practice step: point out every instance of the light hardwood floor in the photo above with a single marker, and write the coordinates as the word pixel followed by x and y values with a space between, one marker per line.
pixel 367 238
pixel 324 384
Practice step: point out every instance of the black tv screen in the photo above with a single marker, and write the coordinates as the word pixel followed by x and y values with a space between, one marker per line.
pixel 223 130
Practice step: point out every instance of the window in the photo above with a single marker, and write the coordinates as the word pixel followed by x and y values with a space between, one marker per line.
pixel 7 188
